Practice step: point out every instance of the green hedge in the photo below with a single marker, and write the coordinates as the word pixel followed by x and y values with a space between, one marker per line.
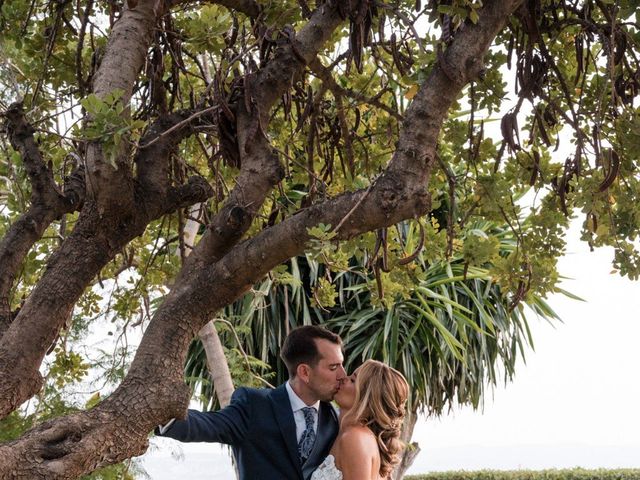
pixel 575 474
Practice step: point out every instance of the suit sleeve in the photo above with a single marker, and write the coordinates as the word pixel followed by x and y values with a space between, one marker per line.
pixel 228 425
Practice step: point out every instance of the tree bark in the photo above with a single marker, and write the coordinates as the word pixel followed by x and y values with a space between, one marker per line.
pixel 110 184
pixel 47 203
pixel 101 232
pixel 153 390
pixel 217 363
pixel 95 240
pixel 214 351
pixel 411 450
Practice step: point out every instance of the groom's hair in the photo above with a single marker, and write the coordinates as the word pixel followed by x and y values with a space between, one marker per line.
pixel 300 346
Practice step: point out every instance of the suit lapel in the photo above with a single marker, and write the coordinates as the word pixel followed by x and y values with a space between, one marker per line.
pixel 284 416
pixel 325 436
pixel 327 427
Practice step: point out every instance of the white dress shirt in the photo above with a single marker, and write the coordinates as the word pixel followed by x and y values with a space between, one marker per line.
pixel 298 415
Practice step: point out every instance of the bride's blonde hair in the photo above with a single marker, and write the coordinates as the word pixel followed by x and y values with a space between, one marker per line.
pixel 381 395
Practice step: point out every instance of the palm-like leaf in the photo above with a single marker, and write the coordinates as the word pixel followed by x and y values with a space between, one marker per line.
pixel 450 337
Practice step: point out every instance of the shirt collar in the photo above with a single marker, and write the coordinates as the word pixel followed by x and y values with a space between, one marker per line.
pixel 296 402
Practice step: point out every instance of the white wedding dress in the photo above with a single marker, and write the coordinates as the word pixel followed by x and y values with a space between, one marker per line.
pixel 327 470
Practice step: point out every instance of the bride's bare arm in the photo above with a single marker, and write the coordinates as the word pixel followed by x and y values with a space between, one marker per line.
pixel 359 456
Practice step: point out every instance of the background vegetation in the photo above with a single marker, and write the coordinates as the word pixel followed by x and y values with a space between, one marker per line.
pixel 573 474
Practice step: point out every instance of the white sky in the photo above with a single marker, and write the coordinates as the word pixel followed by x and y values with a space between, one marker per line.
pixel 574 403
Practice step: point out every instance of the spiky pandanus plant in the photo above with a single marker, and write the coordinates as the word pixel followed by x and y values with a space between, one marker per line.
pixel 447 326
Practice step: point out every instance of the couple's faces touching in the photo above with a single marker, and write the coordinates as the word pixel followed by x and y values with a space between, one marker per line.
pixel 328 380
pixel 347 394
pixel 323 380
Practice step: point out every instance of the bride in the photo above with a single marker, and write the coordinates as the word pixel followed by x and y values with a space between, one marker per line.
pixel 372 402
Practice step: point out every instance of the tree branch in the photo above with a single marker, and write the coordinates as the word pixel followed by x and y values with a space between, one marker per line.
pixel 250 8
pixel 112 216
pixel 260 166
pixel 110 183
pixel 94 242
pixel 400 193
pixel 47 204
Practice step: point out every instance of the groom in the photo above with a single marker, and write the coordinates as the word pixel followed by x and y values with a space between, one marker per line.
pixel 283 433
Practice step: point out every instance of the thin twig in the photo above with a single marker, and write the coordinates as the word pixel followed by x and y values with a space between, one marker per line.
pixel 350 212
pixel 177 126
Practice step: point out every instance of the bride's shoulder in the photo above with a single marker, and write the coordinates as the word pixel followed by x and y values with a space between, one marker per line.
pixel 357 437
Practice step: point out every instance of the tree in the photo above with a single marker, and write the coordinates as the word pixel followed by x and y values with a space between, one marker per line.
pixel 300 140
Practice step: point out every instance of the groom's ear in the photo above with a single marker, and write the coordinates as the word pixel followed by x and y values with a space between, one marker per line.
pixel 303 372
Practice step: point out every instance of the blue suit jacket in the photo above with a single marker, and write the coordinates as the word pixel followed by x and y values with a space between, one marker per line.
pixel 259 425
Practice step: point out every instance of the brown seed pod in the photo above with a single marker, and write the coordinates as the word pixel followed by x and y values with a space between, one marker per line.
pixel 539 122
pixel 612 172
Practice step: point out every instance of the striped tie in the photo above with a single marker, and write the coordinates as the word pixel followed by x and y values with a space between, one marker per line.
pixel 308 436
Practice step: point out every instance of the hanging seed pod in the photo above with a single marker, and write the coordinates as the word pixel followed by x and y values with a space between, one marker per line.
pixel 396 55
pixel 549 115
pixel 510 50
pixel 536 168
pixel 286 104
pixel 304 8
pixel 356 122
pixel 356 44
pixel 381 23
pixel 228 141
pixel 620 47
pixel 447 31
pixel 231 36
pixel 308 108
pixel 612 171
pixel 579 47
pixel 509 129
pixel 539 122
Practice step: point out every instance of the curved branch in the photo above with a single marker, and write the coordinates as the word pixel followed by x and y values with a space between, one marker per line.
pixel 400 193
pixel 94 242
pixel 104 226
pixel 47 204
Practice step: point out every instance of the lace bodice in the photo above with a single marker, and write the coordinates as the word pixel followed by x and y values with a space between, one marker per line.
pixel 327 470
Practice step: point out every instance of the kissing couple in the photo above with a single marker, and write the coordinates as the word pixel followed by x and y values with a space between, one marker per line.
pixel 293 432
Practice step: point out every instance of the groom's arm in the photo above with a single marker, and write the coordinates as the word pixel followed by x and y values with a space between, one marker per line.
pixel 228 425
